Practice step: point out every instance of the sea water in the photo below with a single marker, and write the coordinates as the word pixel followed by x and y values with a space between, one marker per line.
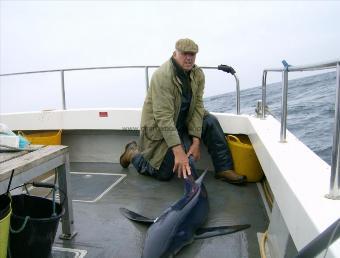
pixel 311 108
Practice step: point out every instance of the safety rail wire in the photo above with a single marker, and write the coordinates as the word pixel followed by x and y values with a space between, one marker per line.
pixel 146 67
pixel 334 192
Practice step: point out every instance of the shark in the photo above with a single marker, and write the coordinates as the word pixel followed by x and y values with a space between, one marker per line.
pixel 181 223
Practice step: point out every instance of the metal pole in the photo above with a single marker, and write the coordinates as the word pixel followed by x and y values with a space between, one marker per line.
pixel 334 191
pixel 147 77
pixel 229 69
pixel 264 94
pixel 238 109
pixel 284 106
pixel 63 90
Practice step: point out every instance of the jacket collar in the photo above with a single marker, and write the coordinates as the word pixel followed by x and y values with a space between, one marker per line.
pixel 179 70
pixel 176 79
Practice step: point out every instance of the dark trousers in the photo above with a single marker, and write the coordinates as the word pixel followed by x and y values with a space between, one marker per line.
pixel 212 136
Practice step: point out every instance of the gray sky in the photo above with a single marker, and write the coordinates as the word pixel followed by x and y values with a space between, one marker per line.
pixel 249 35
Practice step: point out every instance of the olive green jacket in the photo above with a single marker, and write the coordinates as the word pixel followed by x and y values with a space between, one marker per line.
pixel 161 109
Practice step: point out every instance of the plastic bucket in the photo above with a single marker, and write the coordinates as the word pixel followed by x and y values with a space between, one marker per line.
pixel 33 226
pixel 5 215
pixel 244 157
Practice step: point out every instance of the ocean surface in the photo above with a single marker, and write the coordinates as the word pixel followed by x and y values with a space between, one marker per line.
pixel 311 108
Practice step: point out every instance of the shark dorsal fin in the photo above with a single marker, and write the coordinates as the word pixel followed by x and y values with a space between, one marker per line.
pixel 200 179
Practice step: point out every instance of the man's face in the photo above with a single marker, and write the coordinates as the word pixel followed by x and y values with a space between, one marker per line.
pixel 185 59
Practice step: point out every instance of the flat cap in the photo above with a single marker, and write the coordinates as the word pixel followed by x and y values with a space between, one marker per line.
pixel 186 45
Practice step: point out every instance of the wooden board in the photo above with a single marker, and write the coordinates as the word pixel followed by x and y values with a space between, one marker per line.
pixel 11 154
pixel 28 160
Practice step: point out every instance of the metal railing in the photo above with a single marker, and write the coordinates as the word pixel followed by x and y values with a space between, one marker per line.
pixel 334 192
pixel 62 74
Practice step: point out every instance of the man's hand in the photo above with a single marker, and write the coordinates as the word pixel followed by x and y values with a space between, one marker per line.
pixel 181 165
pixel 195 149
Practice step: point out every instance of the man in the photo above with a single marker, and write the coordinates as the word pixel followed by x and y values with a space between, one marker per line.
pixel 174 123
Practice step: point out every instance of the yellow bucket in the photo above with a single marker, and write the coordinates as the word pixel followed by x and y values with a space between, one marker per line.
pixel 4 232
pixel 44 138
pixel 244 157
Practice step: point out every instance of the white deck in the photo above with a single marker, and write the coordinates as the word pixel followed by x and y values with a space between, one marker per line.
pixel 298 178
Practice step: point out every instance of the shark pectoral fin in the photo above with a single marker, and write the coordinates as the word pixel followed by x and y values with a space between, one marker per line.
pixel 202 233
pixel 135 216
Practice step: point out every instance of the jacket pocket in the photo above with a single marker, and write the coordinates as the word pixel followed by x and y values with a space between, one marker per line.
pixel 152 132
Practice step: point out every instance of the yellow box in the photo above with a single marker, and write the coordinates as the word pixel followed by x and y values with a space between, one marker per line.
pixel 244 157
pixel 44 138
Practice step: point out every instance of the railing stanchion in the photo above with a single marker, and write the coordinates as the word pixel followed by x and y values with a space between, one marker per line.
pixel 284 106
pixel 147 77
pixel 63 90
pixel 238 108
pixel 334 191
pixel 264 86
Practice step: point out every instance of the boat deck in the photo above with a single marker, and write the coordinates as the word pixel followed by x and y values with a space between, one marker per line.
pixel 104 232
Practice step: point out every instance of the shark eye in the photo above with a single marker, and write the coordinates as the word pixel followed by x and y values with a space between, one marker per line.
pixel 181 233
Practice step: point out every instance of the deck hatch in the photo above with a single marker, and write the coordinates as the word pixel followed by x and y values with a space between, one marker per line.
pixel 91 186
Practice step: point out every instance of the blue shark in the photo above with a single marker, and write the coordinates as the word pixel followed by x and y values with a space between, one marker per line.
pixel 180 224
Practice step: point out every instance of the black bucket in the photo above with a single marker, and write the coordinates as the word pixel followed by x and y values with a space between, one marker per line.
pixel 33 226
